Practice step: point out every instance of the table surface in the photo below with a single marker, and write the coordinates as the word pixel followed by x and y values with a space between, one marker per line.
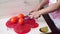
pixel 13 7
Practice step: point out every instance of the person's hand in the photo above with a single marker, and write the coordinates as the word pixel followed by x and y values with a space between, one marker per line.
pixel 34 14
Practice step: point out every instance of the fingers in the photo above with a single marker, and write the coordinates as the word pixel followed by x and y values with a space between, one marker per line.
pixel 37 17
pixel 31 12
pixel 31 16
pixel 34 15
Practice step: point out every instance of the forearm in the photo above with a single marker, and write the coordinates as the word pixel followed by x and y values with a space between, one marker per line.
pixel 50 8
pixel 43 3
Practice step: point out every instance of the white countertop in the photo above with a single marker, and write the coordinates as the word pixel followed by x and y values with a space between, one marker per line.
pixel 13 7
